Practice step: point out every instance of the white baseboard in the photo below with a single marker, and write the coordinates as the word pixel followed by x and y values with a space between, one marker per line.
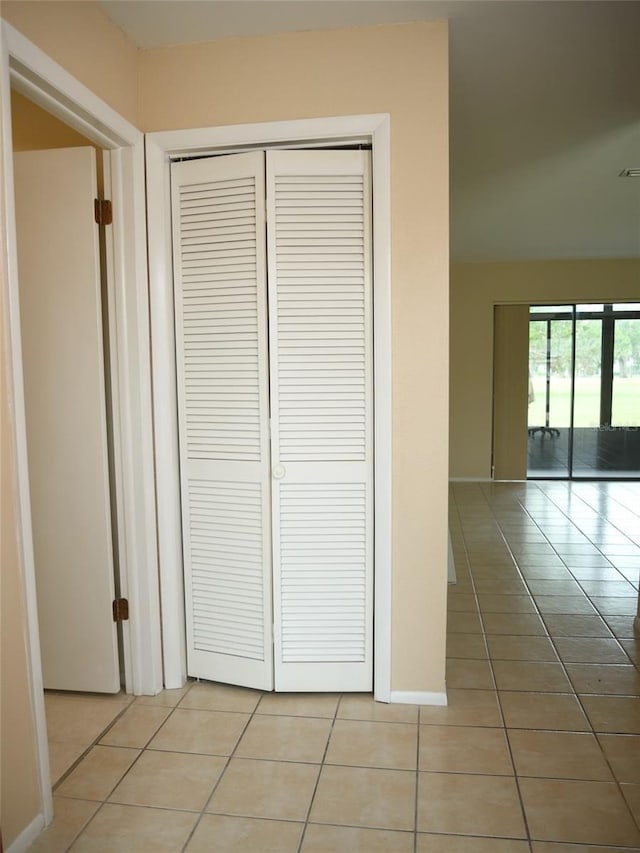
pixel 470 480
pixel 418 697
pixel 27 836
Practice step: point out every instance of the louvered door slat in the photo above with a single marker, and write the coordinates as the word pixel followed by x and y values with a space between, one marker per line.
pixel 321 396
pixel 221 348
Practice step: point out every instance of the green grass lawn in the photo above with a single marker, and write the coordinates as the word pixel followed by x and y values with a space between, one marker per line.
pixel 626 402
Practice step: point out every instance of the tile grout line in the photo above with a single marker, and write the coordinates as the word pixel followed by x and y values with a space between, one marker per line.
pixel 95 742
pixel 500 709
pixel 203 810
pixel 549 634
pixel 77 764
pixel 321 767
pixel 104 802
pixel 594 733
pixel 574 691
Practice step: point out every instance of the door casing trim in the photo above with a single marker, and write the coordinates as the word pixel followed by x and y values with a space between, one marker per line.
pixel 29 70
pixel 161 147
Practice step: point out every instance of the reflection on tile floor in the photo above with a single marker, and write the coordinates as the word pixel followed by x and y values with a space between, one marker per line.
pixel 597 452
pixel 538 750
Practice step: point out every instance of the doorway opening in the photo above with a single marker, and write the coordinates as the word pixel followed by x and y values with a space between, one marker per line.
pixel 69 420
pixel 33 74
pixel 584 391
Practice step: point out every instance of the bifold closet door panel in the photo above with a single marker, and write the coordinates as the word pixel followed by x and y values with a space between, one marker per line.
pixel 320 345
pixel 222 370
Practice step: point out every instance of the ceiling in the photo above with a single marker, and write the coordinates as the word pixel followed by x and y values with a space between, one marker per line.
pixel 545 108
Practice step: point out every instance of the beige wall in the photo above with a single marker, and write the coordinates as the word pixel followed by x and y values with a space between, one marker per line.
pixel 20 794
pixel 32 128
pixel 80 37
pixel 401 70
pixel 475 289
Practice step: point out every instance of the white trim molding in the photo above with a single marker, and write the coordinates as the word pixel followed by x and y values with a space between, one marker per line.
pixel 419 697
pixel 28 835
pixel 161 148
pixel 30 71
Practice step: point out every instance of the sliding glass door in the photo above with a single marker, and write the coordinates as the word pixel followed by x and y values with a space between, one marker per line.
pixel 592 384
pixel 584 391
pixel 550 390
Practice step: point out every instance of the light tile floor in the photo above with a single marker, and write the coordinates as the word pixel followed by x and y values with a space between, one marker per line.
pixel 538 749
pixel 75 722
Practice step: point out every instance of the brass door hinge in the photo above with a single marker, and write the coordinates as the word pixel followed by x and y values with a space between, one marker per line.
pixel 120 610
pixel 103 211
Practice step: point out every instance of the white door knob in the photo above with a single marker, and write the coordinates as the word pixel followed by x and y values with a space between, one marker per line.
pixel 278 472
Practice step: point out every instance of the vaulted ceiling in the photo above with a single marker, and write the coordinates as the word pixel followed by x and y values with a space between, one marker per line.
pixel 545 108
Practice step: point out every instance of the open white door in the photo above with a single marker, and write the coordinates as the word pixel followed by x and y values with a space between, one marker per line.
pixel 62 344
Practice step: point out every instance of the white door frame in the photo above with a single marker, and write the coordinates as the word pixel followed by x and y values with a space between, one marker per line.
pixel 30 71
pixel 161 148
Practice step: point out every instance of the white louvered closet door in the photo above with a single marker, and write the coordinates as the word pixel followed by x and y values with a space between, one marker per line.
pixel 320 326
pixel 222 369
